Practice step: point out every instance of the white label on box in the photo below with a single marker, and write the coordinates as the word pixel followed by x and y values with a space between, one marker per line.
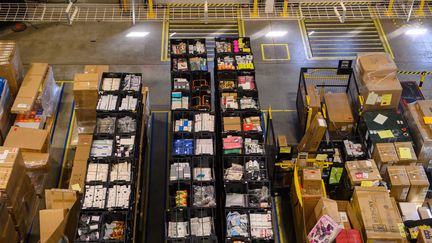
pixel 343 217
pixel 3 156
pixel 371 99
pixel 368 163
pixel 321 122
pixel 380 119
pixel 22 105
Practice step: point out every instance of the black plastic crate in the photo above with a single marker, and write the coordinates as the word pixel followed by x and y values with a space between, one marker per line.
pixel 232 216
pixel 236 195
pixel 248 101
pixel 255 168
pixel 97 172
pixel 89 223
pixel 105 124
pixel 238 162
pixel 226 81
pixel 180 64
pixel 119 222
pixel 126 84
pixel 227 145
pixel 192 50
pixel 198 63
pixel 225 62
pixel 246 48
pixel 129 106
pixel 176 50
pixel 127 124
pixel 183 145
pixel 249 120
pixel 109 143
pixel 93 198
pixel 179 195
pixel 183 127
pixel 244 63
pixel 202 144
pixel 203 194
pixel 246 81
pixel 180 175
pixel 229 107
pixel 230 117
pixel 105 77
pixel 118 202
pixel 204 127
pixel 118 171
pixel 126 150
pixel 256 145
pixel 173 218
pixel 115 104
pixel 180 86
pixel 201 100
pixel 205 220
pixel 259 195
pixel 203 168
pixel 268 217
pixel 180 95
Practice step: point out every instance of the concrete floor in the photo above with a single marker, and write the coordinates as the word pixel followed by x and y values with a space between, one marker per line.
pixel 68 48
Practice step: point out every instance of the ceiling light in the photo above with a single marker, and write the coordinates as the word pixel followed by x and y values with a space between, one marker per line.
pixel 276 33
pixel 416 31
pixel 173 34
pixel 137 34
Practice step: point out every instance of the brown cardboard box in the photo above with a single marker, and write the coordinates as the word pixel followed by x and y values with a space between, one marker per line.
pixel 36 139
pixel 311 178
pixel 99 69
pixel 36 160
pixel 282 141
pixel 399 182
pixel 60 198
pixel 313 136
pixel 406 153
pixel 419 184
pixel 376 65
pixel 310 198
pixel 49 220
pixel 85 90
pixel 11 67
pixel 378 216
pixel 384 155
pixel 30 88
pixel 421 133
pixel 362 170
pixel 314 99
pixel 324 206
pixel 424 236
pixel 381 93
pixel 347 218
pixel 232 123
pixel 424 213
pixel 339 112
pixel 78 174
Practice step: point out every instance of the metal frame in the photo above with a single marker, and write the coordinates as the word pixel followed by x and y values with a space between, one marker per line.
pixel 53 12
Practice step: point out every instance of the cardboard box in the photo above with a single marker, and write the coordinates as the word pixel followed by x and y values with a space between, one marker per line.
pixel 11 67
pixel 324 206
pixel 424 213
pixel 311 178
pixel 378 216
pixel 99 69
pixel 36 139
pixel 376 65
pixel 314 135
pixel 424 236
pixel 398 180
pixel 362 170
pixel 310 198
pixel 381 93
pixel 36 161
pixel 419 184
pixel 409 211
pixel 232 123
pixel 384 155
pixel 282 141
pixel 314 99
pixel 60 198
pixel 339 112
pixel 406 153
pixel 30 87
pixel 49 220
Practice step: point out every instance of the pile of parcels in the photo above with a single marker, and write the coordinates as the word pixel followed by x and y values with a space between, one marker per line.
pixel 380 193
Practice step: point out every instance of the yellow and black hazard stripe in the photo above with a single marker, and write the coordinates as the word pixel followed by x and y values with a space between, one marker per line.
pixel 333 3
pixel 202 4
pixel 415 72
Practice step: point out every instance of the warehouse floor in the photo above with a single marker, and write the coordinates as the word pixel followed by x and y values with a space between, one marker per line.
pixel 68 48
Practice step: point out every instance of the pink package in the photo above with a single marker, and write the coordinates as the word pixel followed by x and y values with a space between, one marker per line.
pixel 324 231
pixel 232 142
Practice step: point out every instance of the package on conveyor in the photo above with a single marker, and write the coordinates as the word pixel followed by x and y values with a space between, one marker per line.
pixel 418 117
pixel 18 200
pixel 85 91
pixel 341 119
pixel 38 91
pixel 379 84
pixel 378 215
pixel 11 67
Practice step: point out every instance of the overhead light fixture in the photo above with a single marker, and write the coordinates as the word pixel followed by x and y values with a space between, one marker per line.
pixel 172 34
pixel 276 33
pixel 137 34
pixel 416 31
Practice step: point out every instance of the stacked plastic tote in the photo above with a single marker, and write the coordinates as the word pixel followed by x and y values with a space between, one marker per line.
pixel 107 207
pixel 247 215
pixel 191 193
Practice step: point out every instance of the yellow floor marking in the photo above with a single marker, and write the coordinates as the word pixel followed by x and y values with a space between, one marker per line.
pixel 275 59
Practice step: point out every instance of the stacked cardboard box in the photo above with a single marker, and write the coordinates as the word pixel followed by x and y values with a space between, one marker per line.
pixel 399 183
pixel 378 214
pixel 11 67
pixel 85 91
pixel 313 136
pixel 79 168
pixel 341 119
pixel 379 85
pixel 384 155
pixel 18 201
pixel 419 184
pixel 362 171
pixel 418 119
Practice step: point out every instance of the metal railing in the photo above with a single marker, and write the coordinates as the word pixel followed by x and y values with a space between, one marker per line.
pixel 40 12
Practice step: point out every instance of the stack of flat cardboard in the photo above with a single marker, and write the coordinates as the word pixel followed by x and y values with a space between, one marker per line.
pixel 378 215
pixel 379 85
pixel 11 67
pixel 79 168
pixel 85 91
pixel 18 200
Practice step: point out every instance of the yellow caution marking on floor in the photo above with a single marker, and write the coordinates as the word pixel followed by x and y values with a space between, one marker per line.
pixel 383 37
pixel 275 59
pixel 279 219
pixel 302 29
pixel 65 155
